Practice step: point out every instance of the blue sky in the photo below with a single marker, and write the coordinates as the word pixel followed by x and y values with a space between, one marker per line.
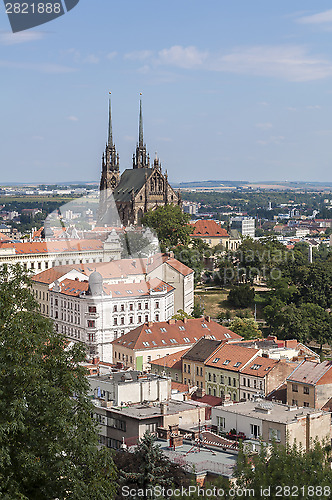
pixel 231 90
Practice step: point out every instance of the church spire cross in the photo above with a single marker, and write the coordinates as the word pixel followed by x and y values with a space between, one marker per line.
pixel 140 131
pixel 110 132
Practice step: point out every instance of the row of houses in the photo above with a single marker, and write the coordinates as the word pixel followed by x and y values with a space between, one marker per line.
pixel 96 303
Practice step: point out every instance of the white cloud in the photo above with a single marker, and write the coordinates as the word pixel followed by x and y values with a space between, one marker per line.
pixel 183 57
pixel 290 108
pixel 320 18
pixel 288 62
pixel 139 55
pixel 278 139
pixel 316 106
pixel 111 55
pixel 72 118
pixel 8 38
pixel 91 59
pixel 264 126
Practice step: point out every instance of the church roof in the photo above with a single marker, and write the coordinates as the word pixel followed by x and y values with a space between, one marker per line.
pixel 131 179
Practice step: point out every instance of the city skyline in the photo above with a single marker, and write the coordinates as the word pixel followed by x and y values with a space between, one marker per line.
pixel 230 92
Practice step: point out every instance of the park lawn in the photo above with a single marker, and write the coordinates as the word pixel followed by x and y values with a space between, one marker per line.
pixel 215 302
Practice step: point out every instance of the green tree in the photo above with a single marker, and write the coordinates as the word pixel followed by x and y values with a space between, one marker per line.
pixel 241 296
pixel 148 467
pixel 181 315
pixel 170 224
pixel 246 327
pixel 48 440
pixel 285 466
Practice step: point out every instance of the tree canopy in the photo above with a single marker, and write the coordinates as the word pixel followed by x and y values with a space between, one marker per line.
pixel 170 224
pixel 48 439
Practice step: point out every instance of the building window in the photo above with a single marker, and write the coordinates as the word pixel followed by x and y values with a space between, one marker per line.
pixel 295 388
pixel 188 368
pixel 131 320
pixel 115 308
pixel 274 434
pixel 122 307
pixel 139 306
pixel 149 359
pixel 201 372
pixel 294 402
pixel 234 382
pixel 131 307
pixel 146 305
pixel 306 404
pixel 91 323
pixel 229 381
pixel 92 309
pixel 157 305
pixel 140 319
pixel 209 377
pixel 261 385
pixel 146 318
pixel 305 390
pixel 122 320
pixel 255 383
pixel 157 317
pixel 185 368
pixel 214 377
pixel 115 321
pixel 248 382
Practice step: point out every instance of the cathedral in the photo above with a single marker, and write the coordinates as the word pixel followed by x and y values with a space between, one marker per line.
pixel 137 189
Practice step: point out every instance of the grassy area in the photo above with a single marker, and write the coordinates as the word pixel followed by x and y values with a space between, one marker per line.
pixel 215 302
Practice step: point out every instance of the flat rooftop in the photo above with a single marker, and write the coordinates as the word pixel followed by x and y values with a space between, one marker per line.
pixel 142 411
pixel 267 410
pixel 200 459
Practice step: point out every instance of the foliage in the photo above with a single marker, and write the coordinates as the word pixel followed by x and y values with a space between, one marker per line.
pixel 170 224
pixel 147 467
pixel 48 445
pixel 246 327
pixel 284 467
pixel 181 315
pixel 192 256
pixel 241 296
pixel 198 310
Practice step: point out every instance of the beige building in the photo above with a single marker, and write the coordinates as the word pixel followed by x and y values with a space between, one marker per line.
pixel 211 233
pixel 170 365
pixel 273 421
pixel 310 384
pixel 127 424
pixel 154 340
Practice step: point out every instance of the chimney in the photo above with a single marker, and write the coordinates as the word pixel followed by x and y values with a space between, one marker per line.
pixel 208 319
pixel 171 321
pixel 185 320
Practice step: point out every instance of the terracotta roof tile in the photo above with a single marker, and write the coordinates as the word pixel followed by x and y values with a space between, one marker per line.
pixel 311 372
pixel 174 333
pixel 177 386
pixel 209 229
pixel 171 361
pixel 231 357
pixel 73 287
pixel 259 366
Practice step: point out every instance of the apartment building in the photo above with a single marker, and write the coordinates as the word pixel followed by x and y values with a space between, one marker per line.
pixel 310 384
pixel 273 421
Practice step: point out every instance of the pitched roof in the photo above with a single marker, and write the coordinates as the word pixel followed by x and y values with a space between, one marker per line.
pixel 209 229
pixel 60 246
pixel 311 372
pixel 177 386
pixel 54 273
pixel 178 266
pixel 73 287
pixel 173 333
pixel 171 360
pixel 231 357
pixel 259 367
pixel 4 237
pixel 132 179
pixel 143 287
pixel 202 349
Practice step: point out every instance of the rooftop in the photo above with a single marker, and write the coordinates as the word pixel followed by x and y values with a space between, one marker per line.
pixel 311 372
pixel 208 229
pixel 174 333
pixel 142 411
pixel 270 411
pixel 231 357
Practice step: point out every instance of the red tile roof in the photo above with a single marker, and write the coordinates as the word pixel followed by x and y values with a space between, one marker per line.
pixel 73 287
pixel 54 273
pixel 231 357
pixel 60 246
pixel 177 386
pixel 4 237
pixel 209 229
pixel 171 361
pixel 143 287
pixel 259 367
pixel 173 333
